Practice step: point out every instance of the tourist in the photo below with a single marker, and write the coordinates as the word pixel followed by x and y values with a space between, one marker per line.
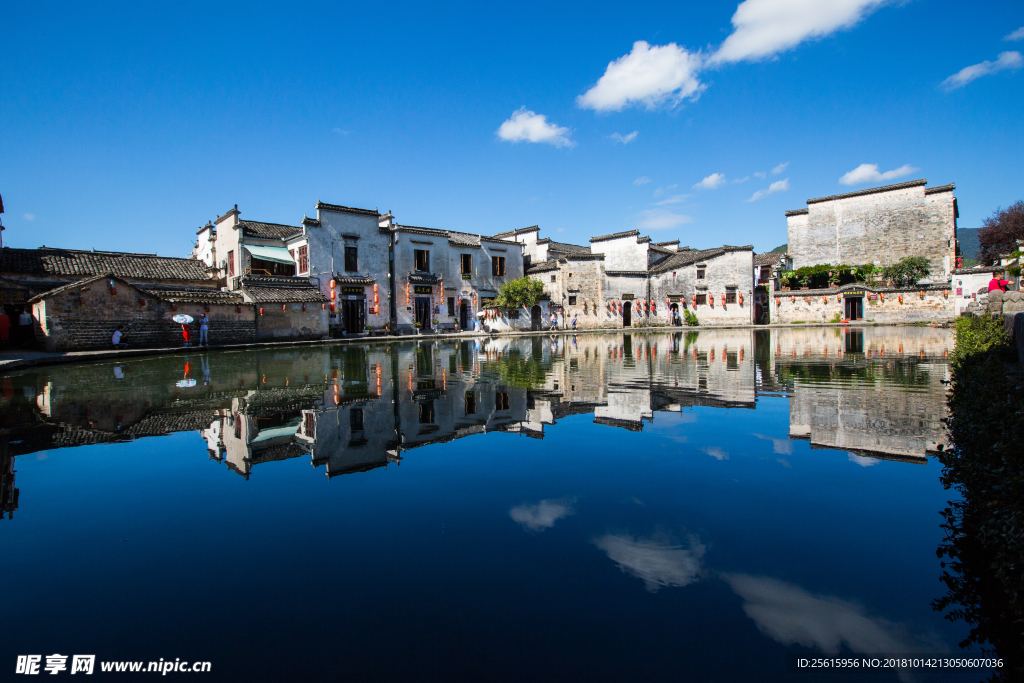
pixel 554 320
pixel 25 326
pixel 574 323
pixel 203 327
pixel 186 335
pixel 997 283
pixel 117 339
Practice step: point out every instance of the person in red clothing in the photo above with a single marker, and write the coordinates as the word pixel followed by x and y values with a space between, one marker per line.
pixel 997 283
pixel 186 335
pixel 5 327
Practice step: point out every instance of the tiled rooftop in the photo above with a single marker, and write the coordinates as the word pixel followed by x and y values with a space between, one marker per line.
pixel 78 264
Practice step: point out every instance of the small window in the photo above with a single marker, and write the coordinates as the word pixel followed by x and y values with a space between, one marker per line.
pixel 303 259
pixel 513 314
pixel 467 264
pixel 309 424
pixel 351 259
pixel 451 305
pixel 498 265
pixel 572 301
pixel 238 426
pixel 470 403
pixel 501 401
pixel 702 299
pixel 552 278
pixel 700 272
pixel 422 259
pixel 231 264
pixel 426 412
pixel 355 419
pixel 730 296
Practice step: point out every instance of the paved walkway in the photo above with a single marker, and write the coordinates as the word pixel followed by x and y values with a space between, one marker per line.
pixel 18 359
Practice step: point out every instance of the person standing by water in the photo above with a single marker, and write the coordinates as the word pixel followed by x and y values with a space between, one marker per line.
pixel 204 325
pixel 554 320
pixel 5 327
pixel 186 335
pixel 997 282
pixel 25 321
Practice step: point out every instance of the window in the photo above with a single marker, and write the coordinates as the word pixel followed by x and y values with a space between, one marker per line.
pixel 572 301
pixel 700 272
pixel 238 426
pixel 309 424
pixel 702 299
pixel 303 259
pixel 730 296
pixel 552 278
pixel 451 305
pixel 231 264
pixel 513 314
pixel 470 403
pixel 497 265
pixel 426 412
pixel 501 401
pixel 355 419
pixel 351 259
pixel 467 264
pixel 422 259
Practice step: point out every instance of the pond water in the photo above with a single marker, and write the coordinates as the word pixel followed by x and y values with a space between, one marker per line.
pixel 594 507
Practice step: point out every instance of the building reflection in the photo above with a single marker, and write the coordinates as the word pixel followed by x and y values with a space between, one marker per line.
pixel 875 392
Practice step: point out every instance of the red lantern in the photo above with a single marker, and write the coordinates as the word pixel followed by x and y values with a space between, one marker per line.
pixel 238 309
pixel 284 307
pixel 333 284
pixel 142 302
pixel 113 289
pixel 332 307
pixel 174 306
pixel 261 310
pixel 668 302
pixel 901 298
pixel 376 299
pixel 303 308
pixel 741 298
pixel 375 288
pixel 333 295
pixel 711 300
pixel 323 307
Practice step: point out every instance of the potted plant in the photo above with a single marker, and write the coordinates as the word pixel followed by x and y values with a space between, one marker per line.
pixel 367 328
pixel 805 282
pixel 833 279
pixel 417 326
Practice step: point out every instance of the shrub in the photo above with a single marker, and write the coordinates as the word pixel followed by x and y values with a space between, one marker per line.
pixel 907 271
pixel 690 317
pixel 523 292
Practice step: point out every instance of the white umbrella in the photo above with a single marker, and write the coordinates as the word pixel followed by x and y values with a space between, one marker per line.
pixel 182 318
pixel 480 314
pixel 183 383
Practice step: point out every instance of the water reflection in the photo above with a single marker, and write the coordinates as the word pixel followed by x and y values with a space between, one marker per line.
pixel 659 561
pixel 875 393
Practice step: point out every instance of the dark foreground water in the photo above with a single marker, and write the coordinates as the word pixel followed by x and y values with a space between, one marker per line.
pixel 687 506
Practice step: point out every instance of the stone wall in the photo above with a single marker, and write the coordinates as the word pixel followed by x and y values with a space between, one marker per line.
pixel 823 305
pixel 290 323
pixel 880 227
pixel 733 269
pixel 85 318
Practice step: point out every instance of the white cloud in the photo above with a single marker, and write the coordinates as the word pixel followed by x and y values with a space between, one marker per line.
pixel 648 75
pixel 868 173
pixel 780 168
pixel 30 216
pixel 716 453
pixel 741 180
pixel 674 199
pixel 762 28
pixel 1007 60
pixel 642 180
pixel 780 446
pixel 760 174
pixel 862 460
pixel 659 562
pixel 532 127
pixel 660 219
pixel 791 616
pixel 711 182
pixel 624 139
pixel 777 186
pixel 542 515
pixel 662 190
pixel 1016 35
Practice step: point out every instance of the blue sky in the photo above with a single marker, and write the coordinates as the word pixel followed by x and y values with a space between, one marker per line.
pixel 126 127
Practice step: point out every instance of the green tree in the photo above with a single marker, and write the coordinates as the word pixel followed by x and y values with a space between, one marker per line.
pixel 907 271
pixel 524 292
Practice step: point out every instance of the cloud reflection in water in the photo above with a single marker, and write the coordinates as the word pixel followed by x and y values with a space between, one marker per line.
pixel 660 562
pixel 542 515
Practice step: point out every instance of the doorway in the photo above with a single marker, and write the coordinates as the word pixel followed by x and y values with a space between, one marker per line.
pixel 675 314
pixel 627 314
pixel 423 312
pixel 353 315
pixel 535 318
pixel 854 307
pixel 464 315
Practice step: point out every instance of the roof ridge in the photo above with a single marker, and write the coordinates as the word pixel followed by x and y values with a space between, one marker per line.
pixel 871 190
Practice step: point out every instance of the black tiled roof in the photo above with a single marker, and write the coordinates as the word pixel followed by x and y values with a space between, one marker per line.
pixel 693 256
pixel 424 278
pixel 269 289
pixel 566 248
pixel 76 263
pixel 615 235
pixel 518 231
pixel 542 267
pixel 940 188
pixel 798 212
pixel 872 190
pixel 463 239
pixel 768 259
pixel 268 231
pixel 347 209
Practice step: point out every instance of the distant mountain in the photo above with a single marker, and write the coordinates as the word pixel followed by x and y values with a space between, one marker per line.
pixel 780 250
pixel 968 239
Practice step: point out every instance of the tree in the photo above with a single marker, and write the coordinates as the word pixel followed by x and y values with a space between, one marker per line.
pixel 519 293
pixel 907 271
pixel 1000 231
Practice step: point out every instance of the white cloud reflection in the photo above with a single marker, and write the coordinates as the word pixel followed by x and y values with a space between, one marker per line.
pixel 660 562
pixel 791 615
pixel 542 515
